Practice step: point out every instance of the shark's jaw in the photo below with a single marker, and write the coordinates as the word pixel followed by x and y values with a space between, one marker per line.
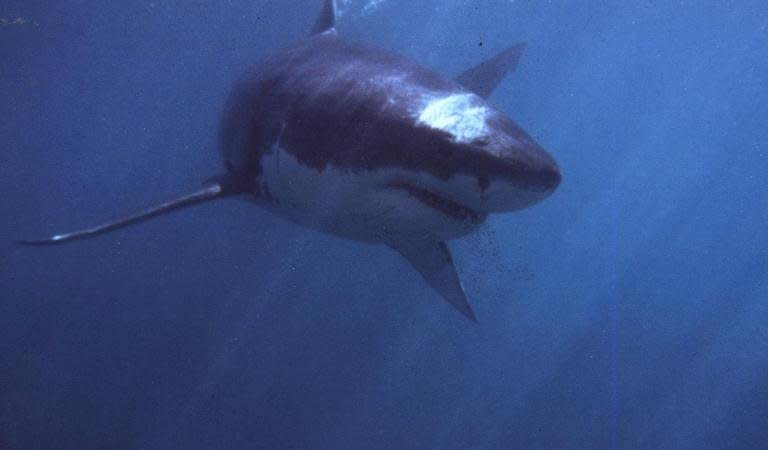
pixel 379 205
pixel 450 208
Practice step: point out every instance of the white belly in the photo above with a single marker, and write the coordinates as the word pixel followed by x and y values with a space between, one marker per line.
pixel 358 205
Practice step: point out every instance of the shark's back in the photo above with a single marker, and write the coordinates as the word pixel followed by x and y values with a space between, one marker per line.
pixel 330 101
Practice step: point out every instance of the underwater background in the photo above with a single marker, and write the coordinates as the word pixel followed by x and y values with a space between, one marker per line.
pixel 629 310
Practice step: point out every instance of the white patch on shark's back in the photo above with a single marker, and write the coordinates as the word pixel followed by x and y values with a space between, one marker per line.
pixel 460 115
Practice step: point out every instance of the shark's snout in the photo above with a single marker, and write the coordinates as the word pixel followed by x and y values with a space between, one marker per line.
pixel 548 176
pixel 522 172
pixel 541 171
pixel 520 184
pixel 499 182
pixel 512 170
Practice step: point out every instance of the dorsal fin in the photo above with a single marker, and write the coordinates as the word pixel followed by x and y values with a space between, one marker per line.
pixel 326 21
pixel 484 77
pixel 215 188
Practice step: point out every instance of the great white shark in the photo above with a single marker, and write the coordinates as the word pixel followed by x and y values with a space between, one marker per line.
pixel 365 144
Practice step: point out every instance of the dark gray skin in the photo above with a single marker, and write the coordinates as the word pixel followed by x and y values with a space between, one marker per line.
pixel 326 113
pixel 368 145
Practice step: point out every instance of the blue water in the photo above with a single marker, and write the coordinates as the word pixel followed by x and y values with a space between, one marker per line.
pixel 629 310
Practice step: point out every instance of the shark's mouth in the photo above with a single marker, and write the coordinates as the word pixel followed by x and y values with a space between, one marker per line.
pixel 442 204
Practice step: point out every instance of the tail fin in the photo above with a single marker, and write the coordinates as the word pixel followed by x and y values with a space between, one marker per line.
pixel 213 189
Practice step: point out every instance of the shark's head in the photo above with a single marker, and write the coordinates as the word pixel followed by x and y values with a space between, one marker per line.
pixel 481 161
pixel 376 135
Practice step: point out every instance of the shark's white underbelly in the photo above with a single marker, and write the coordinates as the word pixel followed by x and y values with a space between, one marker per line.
pixel 360 205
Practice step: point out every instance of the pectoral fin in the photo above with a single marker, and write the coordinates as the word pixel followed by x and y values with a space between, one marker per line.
pixel 434 262
pixel 484 77
pixel 213 189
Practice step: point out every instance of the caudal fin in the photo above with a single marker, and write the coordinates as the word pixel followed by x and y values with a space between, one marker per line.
pixel 211 190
